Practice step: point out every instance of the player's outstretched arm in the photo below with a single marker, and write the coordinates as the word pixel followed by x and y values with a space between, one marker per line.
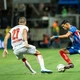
pixel 61 36
pixel 54 37
pixel 5 45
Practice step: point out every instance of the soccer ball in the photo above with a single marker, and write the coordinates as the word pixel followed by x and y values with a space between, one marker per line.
pixel 60 68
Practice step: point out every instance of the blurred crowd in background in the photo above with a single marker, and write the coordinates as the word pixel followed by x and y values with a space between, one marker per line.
pixel 37 11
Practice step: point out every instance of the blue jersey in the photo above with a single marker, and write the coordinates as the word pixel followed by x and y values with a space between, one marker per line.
pixel 75 37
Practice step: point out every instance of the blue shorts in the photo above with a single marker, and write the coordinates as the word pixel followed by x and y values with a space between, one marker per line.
pixel 73 50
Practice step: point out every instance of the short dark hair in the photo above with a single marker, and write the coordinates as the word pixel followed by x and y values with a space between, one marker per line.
pixel 64 22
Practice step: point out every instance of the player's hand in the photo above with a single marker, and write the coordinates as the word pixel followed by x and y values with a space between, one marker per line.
pixel 52 37
pixel 5 52
pixel 27 45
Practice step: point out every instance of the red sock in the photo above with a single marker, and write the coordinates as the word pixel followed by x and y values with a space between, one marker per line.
pixel 65 57
pixel 24 59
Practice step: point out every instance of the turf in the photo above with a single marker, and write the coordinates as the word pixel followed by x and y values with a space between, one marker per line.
pixel 13 69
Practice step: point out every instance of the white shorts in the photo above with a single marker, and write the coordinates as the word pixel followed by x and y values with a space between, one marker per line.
pixel 23 50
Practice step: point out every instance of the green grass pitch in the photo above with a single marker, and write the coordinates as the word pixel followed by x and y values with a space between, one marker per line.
pixel 13 69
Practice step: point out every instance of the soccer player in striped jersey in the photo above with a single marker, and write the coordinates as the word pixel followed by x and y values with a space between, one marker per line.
pixel 73 34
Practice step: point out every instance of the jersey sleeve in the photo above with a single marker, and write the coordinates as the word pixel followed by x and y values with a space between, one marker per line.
pixel 25 27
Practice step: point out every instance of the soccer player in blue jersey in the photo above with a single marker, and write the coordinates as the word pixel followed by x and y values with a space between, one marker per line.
pixel 73 34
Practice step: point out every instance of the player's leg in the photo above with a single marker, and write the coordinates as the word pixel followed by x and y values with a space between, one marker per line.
pixel 19 55
pixel 32 50
pixel 41 62
pixel 63 53
pixel 26 63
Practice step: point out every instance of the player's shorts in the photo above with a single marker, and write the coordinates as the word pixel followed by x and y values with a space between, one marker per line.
pixel 73 50
pixel 23 50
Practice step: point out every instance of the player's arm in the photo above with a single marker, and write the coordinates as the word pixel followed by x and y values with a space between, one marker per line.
pixel 62 36
pixel 25 37
pixel 5 45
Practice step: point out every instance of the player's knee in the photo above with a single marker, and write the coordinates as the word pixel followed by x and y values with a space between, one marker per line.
pixel 24 59
pixel 37 53
pixel 61 51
